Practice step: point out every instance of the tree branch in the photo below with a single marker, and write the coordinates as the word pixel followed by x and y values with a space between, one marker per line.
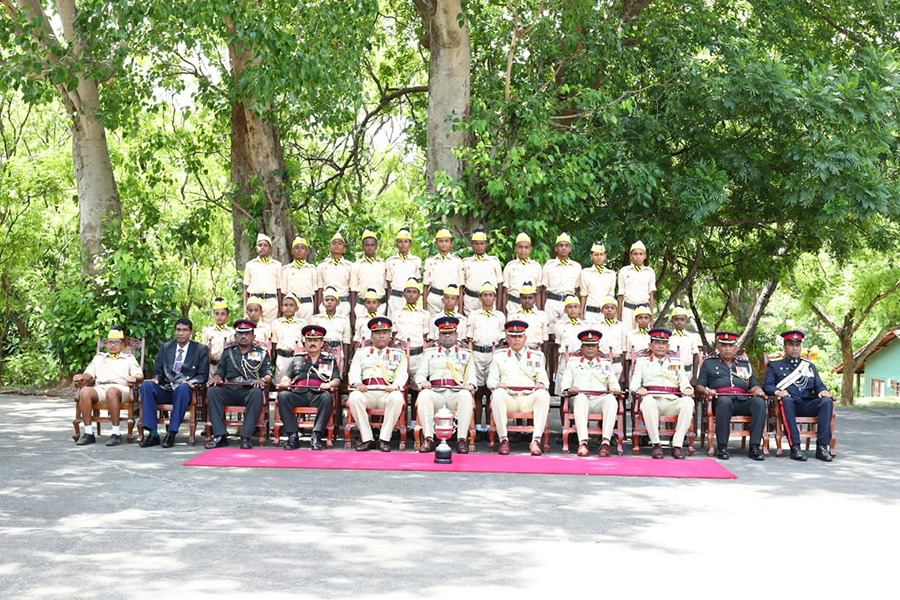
pixel 865 312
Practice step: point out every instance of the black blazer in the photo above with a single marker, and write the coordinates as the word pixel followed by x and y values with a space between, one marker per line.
pixel 195 368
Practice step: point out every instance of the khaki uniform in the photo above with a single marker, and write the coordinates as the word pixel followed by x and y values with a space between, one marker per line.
pixel 525 370
pixel 109 372
pixel 635 341
pixel 559 279
pixel 398 271
pixel 476 271
pixel 685 344
pixel 594 375
pixel 263 332
pixel 651 372
pixel 439 273
pixel 286 337
pixel 412 326
pixel 363 276
pixel 635 286
pixel 336 275
pixel 337 328
pixel 460 327
pixel 215 339
pixel 613 342
pixel 595 286
pixel 264 281
pixel 538 326
pixel 378 368
pixel 516 273
pixel 485 330
pixel 567 339
pixel 446 367
pixel 303 281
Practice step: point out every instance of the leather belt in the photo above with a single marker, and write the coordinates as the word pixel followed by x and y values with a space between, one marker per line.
pixel 360 300
pixel 593 309
pixel 552 296
pixel 396 293
pixel 343 298
pixel 470 293
pixel 631 306
pixel 445 382
pixel 617 360
pixel 482 349
pixel 308 383
pixel 435 291
pixel 374 381
pixel 289 353
pixel 513 299
pixel 416 351
pixel 265 296
pixel 663 389
pixel 306 300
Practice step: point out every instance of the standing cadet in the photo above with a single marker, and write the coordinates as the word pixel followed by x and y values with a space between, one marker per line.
pixel 377 376
pixel 685 343
pixel 217 335
pixel 537 334
pixel 479 269
pixel 262 332
pixel 317 373
pixel 446 366
pixel 450 300
pixel 301 278
pixel 367 273
pixel 373 305
pixel 441 270
pixel 568 333
pixel 262 279
pixel 664 389
pixel 561 276
pixel 111 371
pixel 401 267
pixel 287 335
pixel 334 272
pixel 614 336
pixel 638 338
pixel 721 376
pixel 637 284
pixel 485 330
pixel 795 383
pixel 518 271
pixel 337 327
pixel 597 283
pixel 518 381
pixel 243 363
pixel 591 373
pixel 411 324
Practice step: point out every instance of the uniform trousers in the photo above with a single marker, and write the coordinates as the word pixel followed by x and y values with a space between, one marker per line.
pixel 303 398
pixel 103 388
pixel 507 401
pixel 269 310
pixel 434 304
pixel 217 398
pixel 392 403
pixel 742 406
pixel 153 394
pixel 343 309
pixel 584 405
pixel 282 364
pixel 459 401
pixel 668 406
pixel 482 363
pixel 628 313
pixel 555 310
pixel 472 305
pixel 793 407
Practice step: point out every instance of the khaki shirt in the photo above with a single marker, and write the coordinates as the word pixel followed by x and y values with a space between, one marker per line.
pixel 442 271
pixel 108 370
pixel 477 271
pixel 637 285
pixel 560 278
pixel 526 370
pixel 597 285
pixel 215 340
pixel 335 275
pixel 337 328
pixel 595 375
pixel 411 325
pixel 515 273
pixel 388 364
pixel 686 345
pixel 303 281
pixel 452 363
pixel 485 329
pixel 636 341
pixel 400 269
pixel 262 278
pixel 365 275
pixel 664 372
pixel 287 335
pixel 614 338
pixel 567 334
pixel 363 334
pixel 537 332
pixel 460 328
pixel 263 332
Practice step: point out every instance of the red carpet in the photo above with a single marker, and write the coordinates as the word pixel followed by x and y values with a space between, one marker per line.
pixel 703 468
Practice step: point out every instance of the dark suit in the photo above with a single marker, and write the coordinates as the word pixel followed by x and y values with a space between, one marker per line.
pixel 173 388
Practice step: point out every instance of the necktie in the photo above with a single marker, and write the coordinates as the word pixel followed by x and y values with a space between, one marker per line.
pixel 179 360
pixel 518 356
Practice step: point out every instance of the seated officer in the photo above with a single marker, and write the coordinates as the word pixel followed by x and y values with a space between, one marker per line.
pixel 244 363
pixel 518 381
pixel 446 365
pixel 721 375
pixel 385 369
pixel 111 371
pixel 665 389
pixel 318 372
pixel 795 382
pixel 590 373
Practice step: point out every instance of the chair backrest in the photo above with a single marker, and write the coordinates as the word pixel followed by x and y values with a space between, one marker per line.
pixel 133 346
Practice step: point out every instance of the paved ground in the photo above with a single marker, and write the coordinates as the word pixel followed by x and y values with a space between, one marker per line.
pixel 99 522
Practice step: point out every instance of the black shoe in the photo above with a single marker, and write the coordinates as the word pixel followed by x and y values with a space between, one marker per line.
pixel 797 453
pixel 219 441
pixel 245 444
pixel 722 453
pixel 293 442
pixel 86 438
pixel 315 441
pixel 114 440
pixel 169 440
pixel 365 446
pixel 150 440
pixel 756 452
pixel 823 452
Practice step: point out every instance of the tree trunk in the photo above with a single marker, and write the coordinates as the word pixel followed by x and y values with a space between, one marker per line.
pixel 241 174
pixel 849 364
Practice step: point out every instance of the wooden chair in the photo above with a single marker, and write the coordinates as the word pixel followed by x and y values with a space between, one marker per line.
pixel 638 427
pixel 237 412
pixel 417 431
pixel 136 348
pixel 308 412
pixel 198 399
pixel 523 423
